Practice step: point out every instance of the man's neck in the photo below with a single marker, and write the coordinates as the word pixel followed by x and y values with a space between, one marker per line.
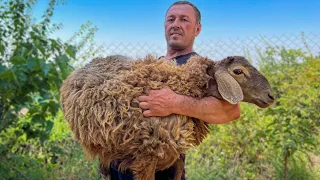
pixel 171 53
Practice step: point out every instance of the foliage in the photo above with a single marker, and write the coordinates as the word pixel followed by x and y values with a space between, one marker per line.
pixel 86 48
pixel 231 150
pixel 296 118
pixel 32 68
pixel 299 167
pixel 60 157
pixel 274 143
pixel 268 143
pixel 35 142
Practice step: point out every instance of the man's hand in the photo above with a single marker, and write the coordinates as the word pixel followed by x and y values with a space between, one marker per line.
pixel 164 102
pixel 159 102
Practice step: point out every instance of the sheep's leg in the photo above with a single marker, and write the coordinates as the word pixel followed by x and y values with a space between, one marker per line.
pixel 178 169
pixel 148 173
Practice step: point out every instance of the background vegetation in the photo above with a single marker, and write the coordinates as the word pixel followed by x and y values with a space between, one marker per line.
pixel 35 143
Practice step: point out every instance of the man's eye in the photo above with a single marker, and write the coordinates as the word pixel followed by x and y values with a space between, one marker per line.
pixel 170 20
pixel 237 71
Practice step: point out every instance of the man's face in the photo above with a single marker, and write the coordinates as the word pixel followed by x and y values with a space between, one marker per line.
pixel 181 26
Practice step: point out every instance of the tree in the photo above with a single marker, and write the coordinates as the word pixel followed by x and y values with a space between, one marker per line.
pixel 295 119
pixel 268 143
pixel 32 67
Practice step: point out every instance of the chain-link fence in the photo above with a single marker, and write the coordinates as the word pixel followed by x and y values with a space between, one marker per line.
pixel 249 47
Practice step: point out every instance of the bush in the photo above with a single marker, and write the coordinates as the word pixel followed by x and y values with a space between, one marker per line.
pixel 268 143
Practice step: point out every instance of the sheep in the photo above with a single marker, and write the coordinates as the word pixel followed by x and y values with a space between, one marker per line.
pixel 99 101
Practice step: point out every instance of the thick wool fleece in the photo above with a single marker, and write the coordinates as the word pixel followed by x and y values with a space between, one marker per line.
pixel 100 104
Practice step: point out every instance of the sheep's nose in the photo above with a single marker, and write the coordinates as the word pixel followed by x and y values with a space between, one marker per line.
pixel 271 96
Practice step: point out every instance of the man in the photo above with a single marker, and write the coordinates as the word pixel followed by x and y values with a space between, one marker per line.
pixel 182 25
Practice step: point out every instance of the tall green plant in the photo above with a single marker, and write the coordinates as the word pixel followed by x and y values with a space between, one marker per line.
pixel 33 135
pixel 32 67
pixel 233 150
pixel 268 143
pixel 296 118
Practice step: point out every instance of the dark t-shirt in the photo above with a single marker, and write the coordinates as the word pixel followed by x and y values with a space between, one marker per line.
pixel 167 174
pixel 182 59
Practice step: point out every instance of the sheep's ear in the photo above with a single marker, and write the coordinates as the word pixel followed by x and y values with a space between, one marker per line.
pixel 228 87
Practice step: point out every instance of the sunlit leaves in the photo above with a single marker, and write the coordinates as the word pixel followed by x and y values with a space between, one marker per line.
pixel 32 68
pixel 32 65
pixel 256 145
pixel 1 49
pixel 71 50
pixel 8 74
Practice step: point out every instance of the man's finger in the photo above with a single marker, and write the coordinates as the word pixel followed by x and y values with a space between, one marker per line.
pixel 152 92
pixel 147 113
pixel 143 98
pixel 144 105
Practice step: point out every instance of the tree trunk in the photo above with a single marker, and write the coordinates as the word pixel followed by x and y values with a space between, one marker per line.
pixel 286 156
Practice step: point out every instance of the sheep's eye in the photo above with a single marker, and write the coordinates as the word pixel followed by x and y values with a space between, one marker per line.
pixel 237 71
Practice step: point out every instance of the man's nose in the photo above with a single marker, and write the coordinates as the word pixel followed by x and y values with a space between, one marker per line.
pixel 176 24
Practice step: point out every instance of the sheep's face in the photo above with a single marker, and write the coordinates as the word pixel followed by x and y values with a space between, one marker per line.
pixel 255 87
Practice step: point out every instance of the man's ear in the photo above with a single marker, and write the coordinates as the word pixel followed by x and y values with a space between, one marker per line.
pixel 198 29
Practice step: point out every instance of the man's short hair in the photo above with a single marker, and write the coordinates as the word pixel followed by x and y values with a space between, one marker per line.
pixel 196 10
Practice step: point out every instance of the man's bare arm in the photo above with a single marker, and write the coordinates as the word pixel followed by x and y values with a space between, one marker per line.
pixel 209 109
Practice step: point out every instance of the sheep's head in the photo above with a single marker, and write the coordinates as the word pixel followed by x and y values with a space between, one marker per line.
pixel 238 80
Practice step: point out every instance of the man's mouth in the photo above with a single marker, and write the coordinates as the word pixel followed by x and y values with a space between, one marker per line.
pixel 176 33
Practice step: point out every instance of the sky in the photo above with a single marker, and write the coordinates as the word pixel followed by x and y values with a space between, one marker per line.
pixel 143 20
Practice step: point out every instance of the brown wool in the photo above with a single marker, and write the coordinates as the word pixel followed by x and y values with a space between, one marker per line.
pixel 100 103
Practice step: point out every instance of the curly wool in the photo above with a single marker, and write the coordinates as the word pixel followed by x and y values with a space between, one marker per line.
pixel 100 104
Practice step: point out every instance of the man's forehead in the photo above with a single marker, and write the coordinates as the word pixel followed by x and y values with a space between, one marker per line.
pixel 181 9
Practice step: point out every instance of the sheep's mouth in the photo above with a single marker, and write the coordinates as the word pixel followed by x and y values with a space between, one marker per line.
pixel 263 104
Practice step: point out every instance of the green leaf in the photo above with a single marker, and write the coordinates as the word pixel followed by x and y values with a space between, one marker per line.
pixel 2 68
pixel 21 99
pixel 1 49
pixel 43 137
pixel 18 60
pixel 53 107
pixel 71 50
pixel 62 62
pixel 42 49
pixel 28 49
pixel 45 68
pixel 38 118
pixel 43 86
pixel 49 125
pixel 7 74
pixel 18 133
pixel 21 76
pixel 33 64
pixel 54 78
